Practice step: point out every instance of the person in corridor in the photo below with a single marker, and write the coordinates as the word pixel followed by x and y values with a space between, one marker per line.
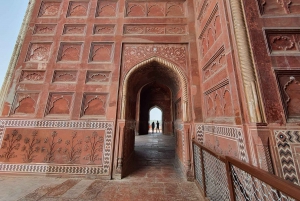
pixel 157 126
pixel 153 126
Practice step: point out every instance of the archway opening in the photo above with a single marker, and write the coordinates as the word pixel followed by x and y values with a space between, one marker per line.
pixel 155 120
pixel 147 85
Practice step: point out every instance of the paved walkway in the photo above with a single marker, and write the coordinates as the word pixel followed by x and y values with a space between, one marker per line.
pixel 155 177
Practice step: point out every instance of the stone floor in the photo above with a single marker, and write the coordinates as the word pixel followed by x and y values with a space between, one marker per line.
pixel 155 176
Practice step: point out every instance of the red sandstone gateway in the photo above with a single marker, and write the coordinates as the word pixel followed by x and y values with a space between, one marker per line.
pixel 85 74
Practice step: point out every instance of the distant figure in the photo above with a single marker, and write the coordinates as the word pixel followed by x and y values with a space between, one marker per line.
pixel 153 126
pixel 157 126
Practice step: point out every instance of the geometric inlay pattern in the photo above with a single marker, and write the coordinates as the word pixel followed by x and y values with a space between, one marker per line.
pixel 285 139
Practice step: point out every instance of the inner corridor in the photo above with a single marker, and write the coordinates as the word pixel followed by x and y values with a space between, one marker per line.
pixel 155 176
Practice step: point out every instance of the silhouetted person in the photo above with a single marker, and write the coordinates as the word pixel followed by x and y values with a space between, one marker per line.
pixel 153 126
pixel 157 126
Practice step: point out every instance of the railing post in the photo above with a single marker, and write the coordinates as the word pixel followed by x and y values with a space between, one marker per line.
pixel 203 171
pixel 230 181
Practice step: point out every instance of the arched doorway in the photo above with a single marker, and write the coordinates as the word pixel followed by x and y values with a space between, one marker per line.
pixel 155 116
pixel 154 82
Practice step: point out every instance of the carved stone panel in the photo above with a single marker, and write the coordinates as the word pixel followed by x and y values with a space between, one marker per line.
pixel 155 9
pixel 38 52
pixel 59 104
pixel 283 41
pixel 103 29
pixel 70 52
pixel 32 76
pixel 25 103
pixel 279 7
pixel 107 9
pixel 72 29
pixel 61 76
pixel 214 65
pixel 44 29
pixel 218 103
pixel 289 83
pixel 78 8
pixel 155 29
pixel 135 53
pixel 211 31
pixel 49 9
pixel 94 77
pixel 93 105
pixel 101 52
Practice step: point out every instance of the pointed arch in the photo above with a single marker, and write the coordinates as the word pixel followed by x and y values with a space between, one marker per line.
pixel 165 64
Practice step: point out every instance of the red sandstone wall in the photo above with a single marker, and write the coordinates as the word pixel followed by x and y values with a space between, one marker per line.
pixel 274 35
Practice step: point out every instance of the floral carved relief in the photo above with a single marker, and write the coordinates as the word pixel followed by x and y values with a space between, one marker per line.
pixel 38 52
pixel 30 147
pixel 11 143
pixel 290 92
pixel 106 9
pixel 94 147
pixel 133 53
pixel 49 9
pixel 25 103
pixel 79 9
pixel 154 29
pixel 32 76
pixel 59 104
pixel 94 105
pixel 74 29
pixel 101 52
pixel 65 76
pixel 44 29
pixel 104 29
pixel 280 42
pixel 155 9
pixel 279 7
pixel 70 52
pixel 53 146
pixel 97 76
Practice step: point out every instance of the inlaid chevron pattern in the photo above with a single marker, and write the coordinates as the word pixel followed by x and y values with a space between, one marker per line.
pixel 284 140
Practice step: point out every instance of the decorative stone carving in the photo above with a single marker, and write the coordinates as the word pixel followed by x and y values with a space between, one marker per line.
pixel 101 52
pixel 25 103
pixel 62 147
pixel 94 105
pixel 70 52
pixel 211 31
pixel 154 29
pixel 218 102
pixel 283 41
pixel 133 53
pixel 78 8
pixel 279 7
pixel 290 92
pixel 38 52
pixel 59 104
pixel 175 9
pixel 32 76
pixel 97 76
pixel 43 29
pixel 74 29
pixel 104 29
pixel 106 8
pixel 155 9
pixel 49 9
pixel 64 76
pixel 214 65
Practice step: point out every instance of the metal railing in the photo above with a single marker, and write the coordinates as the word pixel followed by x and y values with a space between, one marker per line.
pixel 226 178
